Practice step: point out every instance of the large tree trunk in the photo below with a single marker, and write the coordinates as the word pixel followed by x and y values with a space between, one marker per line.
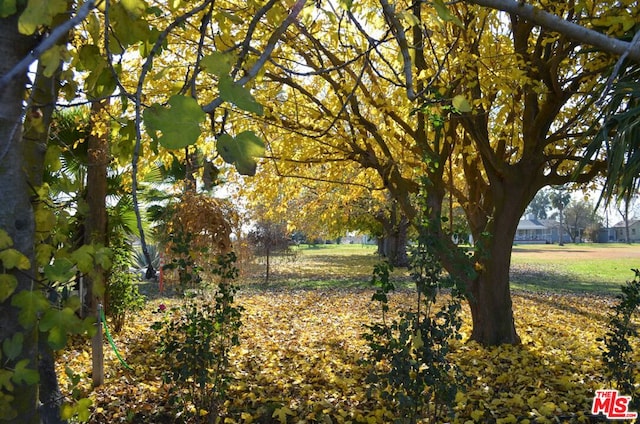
pixel 393 243
pixel 489 291
pixel 490 298
pixel 36 136
pixel 16 214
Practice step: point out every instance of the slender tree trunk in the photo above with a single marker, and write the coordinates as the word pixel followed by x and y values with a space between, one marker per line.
pixel 561 242
pixel 268 264
pixel 16 216
pixel 96 225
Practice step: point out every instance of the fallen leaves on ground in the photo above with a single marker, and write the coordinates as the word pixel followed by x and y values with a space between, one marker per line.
pixel 299 362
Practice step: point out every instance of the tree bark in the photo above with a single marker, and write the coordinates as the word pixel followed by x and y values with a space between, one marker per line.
pixel 490 296
pixel 393 242
pixel 96 227
pixel 36 135
pixel 16 213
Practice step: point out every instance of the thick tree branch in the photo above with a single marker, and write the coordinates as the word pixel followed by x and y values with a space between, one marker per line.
pixel 570 29
pixel 401 37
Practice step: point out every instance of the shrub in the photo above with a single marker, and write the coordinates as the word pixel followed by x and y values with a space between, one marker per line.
pixel 122 290
pixel 617 354
pixel 411 371
pixel 195 339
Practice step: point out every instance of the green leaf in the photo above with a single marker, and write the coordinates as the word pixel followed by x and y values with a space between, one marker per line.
pixel 31 304
pixel 83 257
pixel 445 14
pixel 64 318
pixel 90 58
pixel 7 410
pixel 8 284
pixel 346 4
pixel 45 219
pixel 129 29
pixel 238 95
pixel 44 253
pixel 7 8
pixel 83 409
pixel 217 63
pixel 5 380
pixel 5 239
pixel 12 347
pixel 12 258
pixel 51 60
pixel 22 374
pixel 73 303
pixel 134 7
pixel 59 323
pixel 39 13
pixel 102 257
pixel 461 104
pixel 52 158
pixel 61 270
pixel 241 151
pixel 100 83
pixel 179 123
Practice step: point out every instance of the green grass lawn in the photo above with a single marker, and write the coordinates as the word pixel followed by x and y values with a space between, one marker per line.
pixel 591 268
pixel 574 268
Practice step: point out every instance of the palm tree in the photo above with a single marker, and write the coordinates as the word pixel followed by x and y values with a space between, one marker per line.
pixel 619 138
pixel 559 199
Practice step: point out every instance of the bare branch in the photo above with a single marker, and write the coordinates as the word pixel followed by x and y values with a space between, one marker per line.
pixel 266 54
pixel 557 24
pixel 59 32
pixel 401 37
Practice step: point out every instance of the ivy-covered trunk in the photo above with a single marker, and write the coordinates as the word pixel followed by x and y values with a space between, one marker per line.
pixel 16 220
pixel 35 138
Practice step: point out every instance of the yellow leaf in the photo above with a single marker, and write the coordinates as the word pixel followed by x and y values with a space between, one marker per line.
pixel 477 415
pixel 5 239
pixel 409 18
pixel 12 258
pixel 507 420
pixel 417 342
pixel 281 414
pixel 461 104
pixel 547 408
pixel 66 412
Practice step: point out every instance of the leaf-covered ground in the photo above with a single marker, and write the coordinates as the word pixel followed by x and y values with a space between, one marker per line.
pixel 299 362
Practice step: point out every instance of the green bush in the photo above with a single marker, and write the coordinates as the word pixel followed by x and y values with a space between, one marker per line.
pixel 195 339
pixel 410 368
pixel 122 295
pixel 617 354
